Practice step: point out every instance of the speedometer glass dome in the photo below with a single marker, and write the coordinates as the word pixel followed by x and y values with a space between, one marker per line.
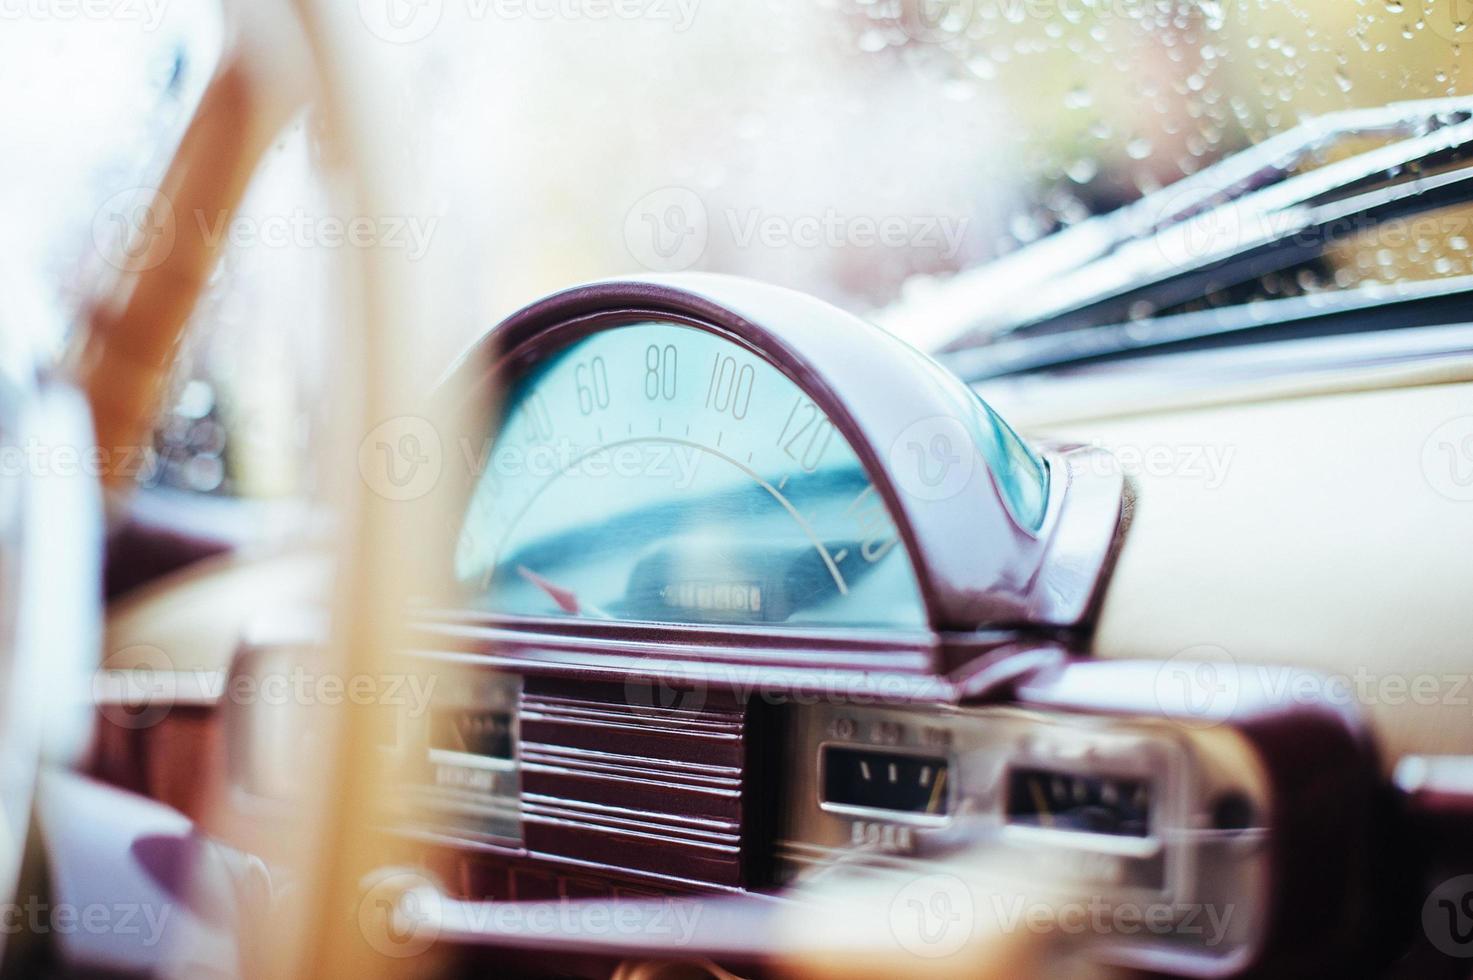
pixel 658 472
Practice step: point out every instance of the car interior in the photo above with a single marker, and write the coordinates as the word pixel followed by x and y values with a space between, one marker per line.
pixel 409 566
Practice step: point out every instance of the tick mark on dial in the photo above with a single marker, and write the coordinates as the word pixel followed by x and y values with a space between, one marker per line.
pixel 783 482
pixel 840 555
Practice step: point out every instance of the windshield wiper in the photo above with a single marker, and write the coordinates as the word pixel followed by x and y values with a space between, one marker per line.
pixel 1441 302
pixel 1247 216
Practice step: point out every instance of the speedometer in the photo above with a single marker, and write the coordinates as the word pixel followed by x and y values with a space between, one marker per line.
pixel 708 451
pixel 655 471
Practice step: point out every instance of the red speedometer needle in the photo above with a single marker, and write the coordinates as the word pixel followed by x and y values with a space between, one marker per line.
pixel 566 599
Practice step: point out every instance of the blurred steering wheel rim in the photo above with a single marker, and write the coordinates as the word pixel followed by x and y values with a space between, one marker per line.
pixel 280 56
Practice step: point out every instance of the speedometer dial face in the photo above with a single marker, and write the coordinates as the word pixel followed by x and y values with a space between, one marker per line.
pixel 662 473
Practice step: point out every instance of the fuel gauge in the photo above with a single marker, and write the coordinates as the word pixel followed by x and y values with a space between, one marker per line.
pixel 877 779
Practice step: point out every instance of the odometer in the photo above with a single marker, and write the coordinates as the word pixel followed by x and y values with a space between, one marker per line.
pixel 657 472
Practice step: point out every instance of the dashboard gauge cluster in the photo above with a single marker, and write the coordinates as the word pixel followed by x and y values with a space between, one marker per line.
pixel 1128 812
pixel 744 589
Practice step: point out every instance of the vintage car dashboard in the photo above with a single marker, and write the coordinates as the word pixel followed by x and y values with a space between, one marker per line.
pixel 746 590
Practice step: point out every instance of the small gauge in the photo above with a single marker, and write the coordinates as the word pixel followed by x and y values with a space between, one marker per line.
pixel 473 731
pixel 1084 804
pixel 879 780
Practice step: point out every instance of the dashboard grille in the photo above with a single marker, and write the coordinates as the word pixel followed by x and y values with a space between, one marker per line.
pixel 614 776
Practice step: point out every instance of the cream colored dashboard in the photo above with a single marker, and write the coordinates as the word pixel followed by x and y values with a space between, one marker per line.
pixel 1316 527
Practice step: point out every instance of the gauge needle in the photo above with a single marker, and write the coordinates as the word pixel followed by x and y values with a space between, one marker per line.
pixel 566 599
pixel 936 789
pixel 1040 804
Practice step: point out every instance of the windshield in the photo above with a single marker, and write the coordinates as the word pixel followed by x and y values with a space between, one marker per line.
pixel 866 151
